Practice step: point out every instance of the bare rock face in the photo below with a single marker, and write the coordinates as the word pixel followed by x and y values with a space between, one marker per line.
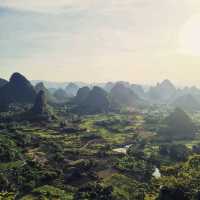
pixel 40 112
pixel 41 87
pixel 40 105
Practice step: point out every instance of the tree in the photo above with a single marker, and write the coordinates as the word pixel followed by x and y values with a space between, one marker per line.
pixel 94 192
pixel 174 193
pixel 177 152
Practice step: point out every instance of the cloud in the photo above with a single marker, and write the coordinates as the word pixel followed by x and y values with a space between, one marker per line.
pixel 114 35
pixel 46 5
pixel 91 27
pixel 108 6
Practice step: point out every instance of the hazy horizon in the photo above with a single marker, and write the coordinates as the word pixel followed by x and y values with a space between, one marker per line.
pixel 64 83
pixel 140 41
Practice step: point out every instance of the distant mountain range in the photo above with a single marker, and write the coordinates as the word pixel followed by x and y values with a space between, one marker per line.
pixel 91 101
pixel 162 92
pixel 51 84
pixel 122 95
pixel 20 90
pixel 186 102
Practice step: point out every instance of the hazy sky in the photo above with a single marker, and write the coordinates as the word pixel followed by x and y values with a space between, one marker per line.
pixel 101 40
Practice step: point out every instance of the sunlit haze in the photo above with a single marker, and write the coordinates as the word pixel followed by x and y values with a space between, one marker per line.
pixel 141 41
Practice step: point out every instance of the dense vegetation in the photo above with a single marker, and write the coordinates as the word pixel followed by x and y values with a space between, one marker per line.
pixel 80 148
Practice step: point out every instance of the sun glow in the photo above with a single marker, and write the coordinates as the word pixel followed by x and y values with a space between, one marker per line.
pixel 190 37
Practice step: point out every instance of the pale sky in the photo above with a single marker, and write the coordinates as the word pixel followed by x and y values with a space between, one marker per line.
pixel 141 41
